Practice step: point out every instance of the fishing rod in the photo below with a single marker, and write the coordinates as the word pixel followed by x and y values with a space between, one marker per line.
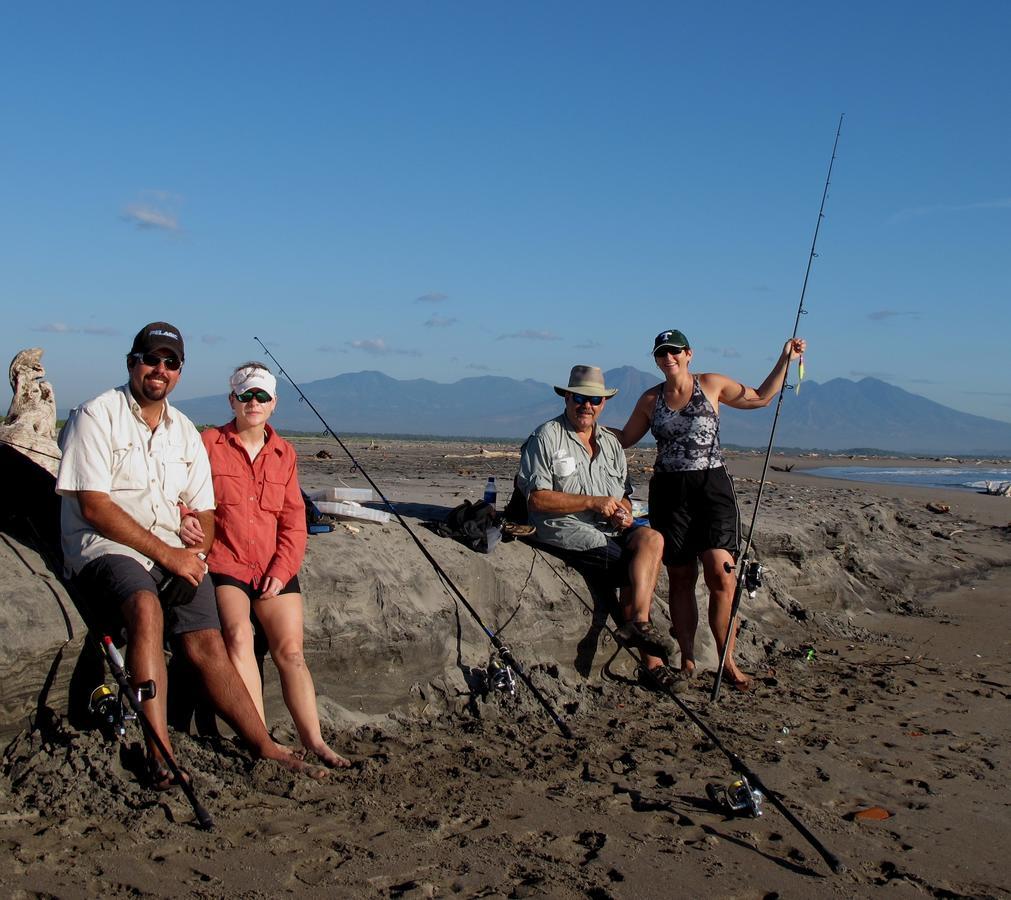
pixel 749 575
pixel 118 669
pixel 736 763
pixel 132 696
pixel 503 651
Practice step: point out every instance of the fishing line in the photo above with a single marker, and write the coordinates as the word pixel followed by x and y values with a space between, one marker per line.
pixel 503 651
pixel 744 565
pixel 736 763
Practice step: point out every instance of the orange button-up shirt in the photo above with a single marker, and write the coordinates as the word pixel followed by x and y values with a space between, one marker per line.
pixel 259 522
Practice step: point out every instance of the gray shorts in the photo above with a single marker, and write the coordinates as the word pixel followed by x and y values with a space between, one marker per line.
pixel 109 581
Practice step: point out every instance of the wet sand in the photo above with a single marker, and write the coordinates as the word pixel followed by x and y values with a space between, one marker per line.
pixel 879 646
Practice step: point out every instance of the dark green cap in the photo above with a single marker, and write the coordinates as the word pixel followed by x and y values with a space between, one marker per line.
pixel 672 340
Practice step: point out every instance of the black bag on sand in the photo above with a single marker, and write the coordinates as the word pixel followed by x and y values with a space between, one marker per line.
pixel 473 524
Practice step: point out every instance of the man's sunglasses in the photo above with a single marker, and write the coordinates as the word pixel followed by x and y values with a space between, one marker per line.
pixel 258 396
pixel 673 351
pixel 172 363
pixel 580 399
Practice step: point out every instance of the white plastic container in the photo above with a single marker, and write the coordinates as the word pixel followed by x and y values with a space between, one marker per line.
pixel 351 510
pixel 358 495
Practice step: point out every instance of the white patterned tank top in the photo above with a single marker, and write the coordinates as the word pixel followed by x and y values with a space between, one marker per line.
pixel 687 439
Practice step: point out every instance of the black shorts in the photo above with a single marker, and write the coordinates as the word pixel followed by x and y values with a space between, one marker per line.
pixel 608 564
pixel 253 593
pixel 109 581
pixel 694 511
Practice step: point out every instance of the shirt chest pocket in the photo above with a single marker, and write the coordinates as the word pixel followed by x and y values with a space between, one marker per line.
pixel 175 476
pixel 228 490
pixel 272 493
pixel 129 468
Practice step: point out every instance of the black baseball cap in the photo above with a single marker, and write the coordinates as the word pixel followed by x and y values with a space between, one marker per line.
pixel 156 336
pixel 673 340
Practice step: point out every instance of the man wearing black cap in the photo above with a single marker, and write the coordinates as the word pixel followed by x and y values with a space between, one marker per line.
pixel 129 459
pixel 575 478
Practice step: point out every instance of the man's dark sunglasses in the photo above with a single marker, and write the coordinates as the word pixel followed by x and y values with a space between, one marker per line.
pixel 258 396
pixel 580 399
pixel 172 363
pixel 673 351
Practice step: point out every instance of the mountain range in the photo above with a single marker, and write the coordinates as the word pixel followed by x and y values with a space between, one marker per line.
pixel 837 415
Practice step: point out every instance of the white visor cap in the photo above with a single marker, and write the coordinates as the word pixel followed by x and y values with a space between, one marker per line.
pixel 250 379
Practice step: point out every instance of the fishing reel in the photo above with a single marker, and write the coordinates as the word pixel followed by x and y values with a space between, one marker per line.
pixel 113 710
pixel 738 798
pixel 753 578
pixel 110 709
pixel 500 678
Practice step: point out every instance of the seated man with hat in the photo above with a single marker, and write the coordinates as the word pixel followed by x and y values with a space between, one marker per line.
pixel 575 478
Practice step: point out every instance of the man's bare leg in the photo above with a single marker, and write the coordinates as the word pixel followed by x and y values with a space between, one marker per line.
pixel 720 575
pixel 636 600
pixel 145 660
pixel 684 611
pixel 206 650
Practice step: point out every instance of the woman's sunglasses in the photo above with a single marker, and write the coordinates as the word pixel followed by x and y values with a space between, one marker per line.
pixel 258 396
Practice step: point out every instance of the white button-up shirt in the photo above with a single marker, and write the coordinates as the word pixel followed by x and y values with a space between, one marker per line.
pixel 108 447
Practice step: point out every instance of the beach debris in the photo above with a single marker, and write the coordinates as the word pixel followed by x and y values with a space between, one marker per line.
pixel 348 509
pixel 482 453
pixel 357 495
pixel 788 468
pixel 31 418
pixel 871 814
pixel 323 454
pixel 998 488
pixel 935 507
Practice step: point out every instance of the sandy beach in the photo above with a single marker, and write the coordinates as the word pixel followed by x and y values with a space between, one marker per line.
pixel 878 643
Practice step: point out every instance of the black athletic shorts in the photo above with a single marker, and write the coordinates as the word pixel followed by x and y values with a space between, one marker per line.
pixel 608 564
pixel 694 511
pixel 253 593
pixel 111 580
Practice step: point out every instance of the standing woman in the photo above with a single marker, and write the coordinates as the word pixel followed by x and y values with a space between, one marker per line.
pixel 259 542
pixel 691 495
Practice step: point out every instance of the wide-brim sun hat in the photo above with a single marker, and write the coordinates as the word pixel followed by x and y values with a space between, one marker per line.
pixel 586 380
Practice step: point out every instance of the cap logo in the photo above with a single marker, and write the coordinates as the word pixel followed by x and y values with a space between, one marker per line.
pixel 167 334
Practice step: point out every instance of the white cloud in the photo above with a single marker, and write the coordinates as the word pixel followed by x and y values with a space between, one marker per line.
pixel 879 315
pixel 436 321
pixel 154 211
pixel 917 211
pixel 64 328
pixel 530 334
pixel 379 347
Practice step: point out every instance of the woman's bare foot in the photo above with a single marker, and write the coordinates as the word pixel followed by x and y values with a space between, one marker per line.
pixel 286 757
pixel 736 679
pixel 330 758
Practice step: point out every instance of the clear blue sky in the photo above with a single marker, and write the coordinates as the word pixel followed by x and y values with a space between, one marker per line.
pixel 451 189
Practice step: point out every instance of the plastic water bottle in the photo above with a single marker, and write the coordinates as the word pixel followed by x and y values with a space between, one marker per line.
pixel 490 492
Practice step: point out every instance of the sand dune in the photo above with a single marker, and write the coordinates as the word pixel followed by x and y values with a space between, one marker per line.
pixel 902 704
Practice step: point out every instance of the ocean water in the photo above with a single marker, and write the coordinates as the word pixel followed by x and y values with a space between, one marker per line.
pixel 964 478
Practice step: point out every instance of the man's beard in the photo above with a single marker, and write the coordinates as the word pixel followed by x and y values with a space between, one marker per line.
pixel 154 390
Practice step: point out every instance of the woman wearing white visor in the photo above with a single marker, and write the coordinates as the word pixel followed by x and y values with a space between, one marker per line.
pixel 259 542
